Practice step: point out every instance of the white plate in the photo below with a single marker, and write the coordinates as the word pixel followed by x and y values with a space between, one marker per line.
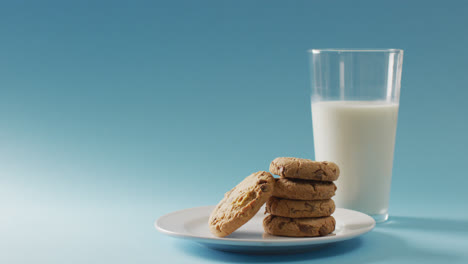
pixel 192 224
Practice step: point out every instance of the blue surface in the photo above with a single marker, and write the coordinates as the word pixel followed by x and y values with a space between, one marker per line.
pixel 115 113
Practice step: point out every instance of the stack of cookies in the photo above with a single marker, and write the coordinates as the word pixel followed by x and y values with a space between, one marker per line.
pixel 301 204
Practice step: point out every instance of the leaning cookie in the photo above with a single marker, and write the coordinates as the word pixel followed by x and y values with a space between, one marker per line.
pixel 299 227
pixel 305 169
pixel 241 203
pixel 299 209
pixel 303 190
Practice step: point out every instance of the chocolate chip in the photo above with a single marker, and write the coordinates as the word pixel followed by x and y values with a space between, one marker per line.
pixel 310 206
pixel 305 229
pixel 323 231
pixel 281 225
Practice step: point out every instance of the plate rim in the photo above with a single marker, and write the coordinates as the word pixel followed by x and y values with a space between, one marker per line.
pixel 261 242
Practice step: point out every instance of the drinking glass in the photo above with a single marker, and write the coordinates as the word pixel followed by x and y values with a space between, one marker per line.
pixel 355 100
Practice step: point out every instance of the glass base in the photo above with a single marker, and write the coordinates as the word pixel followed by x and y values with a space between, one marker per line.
pixel 380 218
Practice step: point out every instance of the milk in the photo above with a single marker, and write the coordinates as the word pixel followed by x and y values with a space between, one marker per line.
pixel 359 136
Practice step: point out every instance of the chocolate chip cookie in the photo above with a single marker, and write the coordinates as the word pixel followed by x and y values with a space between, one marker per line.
pixel 299 227
pixel 299 209
pixel 305 169
pixel 303 190
pixel 241 203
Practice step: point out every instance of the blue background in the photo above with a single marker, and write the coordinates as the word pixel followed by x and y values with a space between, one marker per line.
pixel 114 113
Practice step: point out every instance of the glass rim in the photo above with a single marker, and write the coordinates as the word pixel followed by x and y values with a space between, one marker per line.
pixel 358 50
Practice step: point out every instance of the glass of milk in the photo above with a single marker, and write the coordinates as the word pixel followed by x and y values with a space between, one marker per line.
pixel 355 98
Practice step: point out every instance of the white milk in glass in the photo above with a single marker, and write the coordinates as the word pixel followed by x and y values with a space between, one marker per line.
pixel 359 136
